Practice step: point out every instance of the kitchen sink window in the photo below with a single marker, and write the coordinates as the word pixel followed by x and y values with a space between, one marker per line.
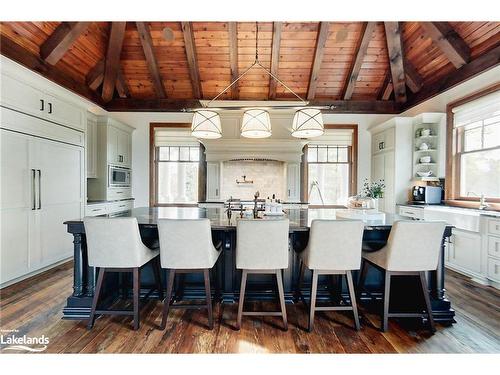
pixel 476 148
pixel 328 174
pixel 177 174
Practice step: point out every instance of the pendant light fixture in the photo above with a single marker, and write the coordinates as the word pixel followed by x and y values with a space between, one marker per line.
pixel 206 124
pixel 307 123
pixel 256 122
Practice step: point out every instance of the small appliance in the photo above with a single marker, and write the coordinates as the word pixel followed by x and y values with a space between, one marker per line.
pixel 119 176
pixel 427 194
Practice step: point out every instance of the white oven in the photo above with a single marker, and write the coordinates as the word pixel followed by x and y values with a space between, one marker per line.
pixel 119 176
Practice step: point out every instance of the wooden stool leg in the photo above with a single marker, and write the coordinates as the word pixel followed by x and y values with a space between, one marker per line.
pixel 352 295
pixel 166 303
pixel 98 287
pixel 428 306
pixel 208 297
pixel 312 307
pixel 387 294
pixel 137 279
pixel 242 298
pixel 279 281
pixel 157 274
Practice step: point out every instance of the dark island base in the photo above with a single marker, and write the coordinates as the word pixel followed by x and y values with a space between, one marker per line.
pixel 406 295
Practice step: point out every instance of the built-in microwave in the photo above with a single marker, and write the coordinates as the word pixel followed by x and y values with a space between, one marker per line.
pixel 119 176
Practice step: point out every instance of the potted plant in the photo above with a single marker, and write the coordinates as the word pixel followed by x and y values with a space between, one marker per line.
pixel 374 190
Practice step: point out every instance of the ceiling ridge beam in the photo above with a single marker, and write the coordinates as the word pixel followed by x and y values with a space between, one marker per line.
pixel 395 52
pixel 477 66
pixel 192 59
pixel 362 47
pixel 60 41
pixel 147 46
pixel 112 64
pixel 232 28
pixel 318 58
pixel 275 58
pixel 448 41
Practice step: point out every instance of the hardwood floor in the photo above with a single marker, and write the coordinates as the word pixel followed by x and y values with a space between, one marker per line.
pixel 34 306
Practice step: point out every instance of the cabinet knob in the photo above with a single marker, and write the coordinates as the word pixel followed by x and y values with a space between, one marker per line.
pixel 42 104
pixel 50 108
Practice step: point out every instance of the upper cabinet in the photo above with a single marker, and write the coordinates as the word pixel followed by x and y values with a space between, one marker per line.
pixel 383 141
pixel 119 145
pixel 39 102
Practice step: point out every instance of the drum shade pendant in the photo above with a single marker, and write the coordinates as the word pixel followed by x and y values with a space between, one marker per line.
pixel 256 124
pixel 307 123
pixel 206 125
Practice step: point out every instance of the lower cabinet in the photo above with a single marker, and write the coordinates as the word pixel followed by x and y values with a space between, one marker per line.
pixel 41 187
pixel 464 252
pixel 109 208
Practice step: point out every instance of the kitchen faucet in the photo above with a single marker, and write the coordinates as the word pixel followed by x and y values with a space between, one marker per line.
pixel 255 209
pixel 482 200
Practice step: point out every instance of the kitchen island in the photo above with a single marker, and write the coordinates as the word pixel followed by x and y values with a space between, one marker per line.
pixel 225 278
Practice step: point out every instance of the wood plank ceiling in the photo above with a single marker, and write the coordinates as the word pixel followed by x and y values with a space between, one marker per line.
pixel 356 67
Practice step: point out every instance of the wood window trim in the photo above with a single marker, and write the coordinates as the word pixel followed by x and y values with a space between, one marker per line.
pixel 353 164
pixel 452 190
pixel 153 171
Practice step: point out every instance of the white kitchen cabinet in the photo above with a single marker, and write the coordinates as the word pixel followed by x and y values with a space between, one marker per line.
pixel 118 146
pixel 383 141
pixel 464 253
pixel 383 169
pixel 112 145
pixel 213 181
pixel 22 97
pixel 42 186
pixel 91 146
pixel 293 182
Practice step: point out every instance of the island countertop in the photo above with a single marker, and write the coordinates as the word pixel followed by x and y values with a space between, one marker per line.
pixel 300 218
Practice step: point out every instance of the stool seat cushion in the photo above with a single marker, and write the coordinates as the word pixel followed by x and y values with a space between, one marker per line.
pixel 115 243
pixel 186 244
pixel 412 246
pixel 334 245
pixel 262 244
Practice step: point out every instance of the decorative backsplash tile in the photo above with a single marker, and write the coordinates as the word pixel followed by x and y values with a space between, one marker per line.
pixel 269 177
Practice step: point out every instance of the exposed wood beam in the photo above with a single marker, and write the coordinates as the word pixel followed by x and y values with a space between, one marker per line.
pixel 479 65
pixel 112 64
pixel 395 51
pixel 275 58
pixel 386 88
pixel 318 58
pixel 192 58
pixel 95 76
pixel 154 71
pixel 173 105
pixel 15 52
pixel 156 105
pixel 232 28
pixel 413 78
pixel 121 85
pixel 352 77
pixel 63 37
pixel 448 41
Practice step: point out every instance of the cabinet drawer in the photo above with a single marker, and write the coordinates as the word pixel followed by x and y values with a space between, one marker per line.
pixel 96 210
pixel 414 213
pixel 494 246
pixel 120 206
pixel 119 193
pixel 494 269
pixel 494 226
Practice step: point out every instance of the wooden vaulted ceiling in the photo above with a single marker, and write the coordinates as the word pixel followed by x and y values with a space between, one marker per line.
pixel 365 67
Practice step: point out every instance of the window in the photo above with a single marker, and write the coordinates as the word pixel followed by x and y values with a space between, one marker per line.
pixel 474 133
pixel 177 180
pixel 329 171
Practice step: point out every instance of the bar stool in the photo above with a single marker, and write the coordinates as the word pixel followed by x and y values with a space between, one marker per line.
pixel 186 247
pixel 115 245
pixel 334 248
pixel 262 248
pixel 412 249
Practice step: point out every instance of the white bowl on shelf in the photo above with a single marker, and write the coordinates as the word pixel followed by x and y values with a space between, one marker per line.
pixel 424 174
pixel 425 159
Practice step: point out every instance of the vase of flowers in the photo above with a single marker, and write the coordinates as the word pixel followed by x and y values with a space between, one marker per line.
pixel 374 190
